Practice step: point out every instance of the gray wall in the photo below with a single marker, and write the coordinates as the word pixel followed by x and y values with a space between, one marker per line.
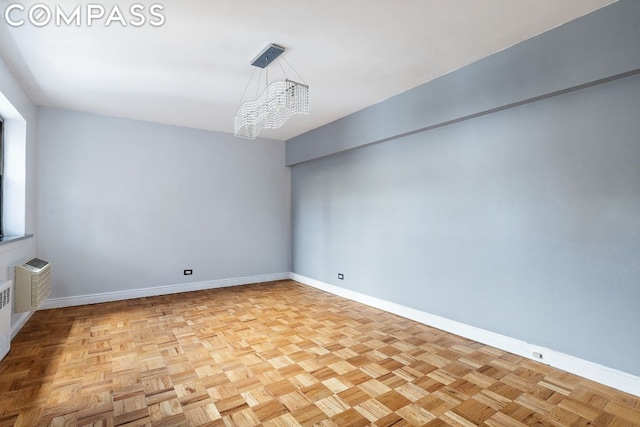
pixel 597 46
pixel 124 204
pixel 18 111
pixel 525 221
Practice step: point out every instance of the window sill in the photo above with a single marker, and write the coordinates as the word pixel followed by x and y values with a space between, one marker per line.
pixel 5 240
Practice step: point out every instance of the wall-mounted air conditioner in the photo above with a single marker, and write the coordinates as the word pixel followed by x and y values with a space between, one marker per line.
pixel 5 318
pixel 33 284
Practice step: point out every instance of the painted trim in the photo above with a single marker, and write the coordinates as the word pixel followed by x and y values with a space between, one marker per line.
pixel 7 240
pixel 158 290
pixel 590 370
pixel 18 324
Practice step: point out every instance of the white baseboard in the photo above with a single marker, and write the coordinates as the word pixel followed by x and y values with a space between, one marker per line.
pixel 592 371
pixel 158 290
pixel 18 324
pixel 611 377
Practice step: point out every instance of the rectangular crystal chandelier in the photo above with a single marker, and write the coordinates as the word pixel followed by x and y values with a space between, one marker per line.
pixel 272 108
pixel 279 101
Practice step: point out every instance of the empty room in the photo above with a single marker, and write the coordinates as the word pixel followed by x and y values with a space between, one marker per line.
pixel 330 213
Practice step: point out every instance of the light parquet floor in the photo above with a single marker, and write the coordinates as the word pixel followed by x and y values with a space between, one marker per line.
pixel 278 354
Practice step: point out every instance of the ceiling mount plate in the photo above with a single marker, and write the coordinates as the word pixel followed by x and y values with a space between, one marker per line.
pixel 268 56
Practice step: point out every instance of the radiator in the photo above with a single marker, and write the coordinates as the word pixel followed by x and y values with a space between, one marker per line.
pixel 33 284
pixel 5 318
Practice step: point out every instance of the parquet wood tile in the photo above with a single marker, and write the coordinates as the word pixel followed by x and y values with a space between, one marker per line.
pixel 278 354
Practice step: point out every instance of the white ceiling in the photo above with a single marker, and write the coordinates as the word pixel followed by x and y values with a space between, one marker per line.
pixel 192 70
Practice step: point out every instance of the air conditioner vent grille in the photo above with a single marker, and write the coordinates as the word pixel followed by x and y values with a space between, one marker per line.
pixel 5 318
pixel 37 263
pixel 5 297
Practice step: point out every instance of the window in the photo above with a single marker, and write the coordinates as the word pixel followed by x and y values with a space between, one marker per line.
pixel 13 169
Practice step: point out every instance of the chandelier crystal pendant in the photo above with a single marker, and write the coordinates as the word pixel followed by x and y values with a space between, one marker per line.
pixel 278 101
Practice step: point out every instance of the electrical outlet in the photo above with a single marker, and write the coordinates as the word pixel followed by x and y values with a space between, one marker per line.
pixel 188 272
pixel 340 276
pixel 537 355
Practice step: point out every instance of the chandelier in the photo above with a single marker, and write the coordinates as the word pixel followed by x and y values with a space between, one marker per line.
pixel 278 101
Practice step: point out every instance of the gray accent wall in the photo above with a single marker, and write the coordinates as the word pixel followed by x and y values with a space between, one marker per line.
pixel 597 46
pixel 524 221
pixel 128 205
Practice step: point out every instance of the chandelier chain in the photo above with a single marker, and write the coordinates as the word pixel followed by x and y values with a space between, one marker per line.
pixel 294 70
pixel 245 89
